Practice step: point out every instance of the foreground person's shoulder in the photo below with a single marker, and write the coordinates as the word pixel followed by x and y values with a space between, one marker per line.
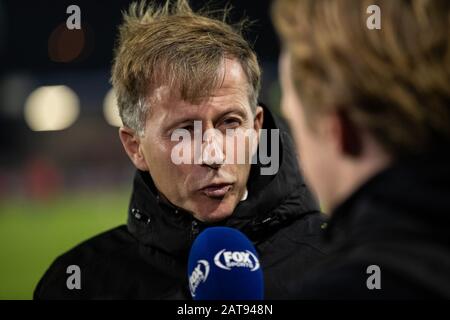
pixel 357 280
pixel 311 225
pixel 302 237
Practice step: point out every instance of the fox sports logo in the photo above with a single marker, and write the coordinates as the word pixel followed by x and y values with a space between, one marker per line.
pixel 198 275
pixel 236 259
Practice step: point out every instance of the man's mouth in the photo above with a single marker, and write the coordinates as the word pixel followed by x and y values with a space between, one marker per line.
pixel 216 190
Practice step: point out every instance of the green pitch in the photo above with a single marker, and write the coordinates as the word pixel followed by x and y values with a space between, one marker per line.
pixel 33 234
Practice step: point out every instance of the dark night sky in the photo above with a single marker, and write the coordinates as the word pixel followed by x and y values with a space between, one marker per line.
pixel 29 26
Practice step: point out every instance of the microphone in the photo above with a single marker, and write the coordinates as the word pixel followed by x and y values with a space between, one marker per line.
pixel 223 265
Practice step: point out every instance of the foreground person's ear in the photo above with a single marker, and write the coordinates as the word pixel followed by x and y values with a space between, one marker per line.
pixel 132 144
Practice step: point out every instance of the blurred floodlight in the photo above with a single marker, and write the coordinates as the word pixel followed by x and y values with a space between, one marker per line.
pixel 51 108
pixel 110 109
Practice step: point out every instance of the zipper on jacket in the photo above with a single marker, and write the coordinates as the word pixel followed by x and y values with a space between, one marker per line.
pixel 138 215
pixel 195 230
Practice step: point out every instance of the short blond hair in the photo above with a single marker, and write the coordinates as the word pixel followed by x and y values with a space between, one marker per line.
pixel 395 82
pixel 179 48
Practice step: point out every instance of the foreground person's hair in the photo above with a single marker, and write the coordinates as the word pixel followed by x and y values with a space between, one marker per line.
pixel 395 82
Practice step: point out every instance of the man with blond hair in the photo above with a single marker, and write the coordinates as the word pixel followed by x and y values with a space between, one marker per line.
pixel 176 74
pixel 370 108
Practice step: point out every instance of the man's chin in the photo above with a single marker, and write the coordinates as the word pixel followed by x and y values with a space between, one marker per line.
pixel 214 210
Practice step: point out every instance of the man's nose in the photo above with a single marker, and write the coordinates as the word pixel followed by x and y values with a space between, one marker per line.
pixel 212 150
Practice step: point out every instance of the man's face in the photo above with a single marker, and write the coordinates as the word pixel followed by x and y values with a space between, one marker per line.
pixel 315 146
pixel 208 190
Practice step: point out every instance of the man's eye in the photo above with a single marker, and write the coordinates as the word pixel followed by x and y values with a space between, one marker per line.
pixel 188 127
pixel 232 122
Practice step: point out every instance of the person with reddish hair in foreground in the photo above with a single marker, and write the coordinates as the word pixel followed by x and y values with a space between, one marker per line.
pixel 370 111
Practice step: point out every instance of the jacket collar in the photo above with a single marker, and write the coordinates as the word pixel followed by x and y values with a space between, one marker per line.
pixel 272 202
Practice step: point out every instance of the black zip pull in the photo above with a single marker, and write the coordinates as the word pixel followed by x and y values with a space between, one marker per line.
pixel 258 222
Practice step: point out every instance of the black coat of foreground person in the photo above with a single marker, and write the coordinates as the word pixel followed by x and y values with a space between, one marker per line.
pixel 398 222
pixel 147 259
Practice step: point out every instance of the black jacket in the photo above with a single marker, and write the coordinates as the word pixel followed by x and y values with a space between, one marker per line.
pixel 147 259
pixel 398 221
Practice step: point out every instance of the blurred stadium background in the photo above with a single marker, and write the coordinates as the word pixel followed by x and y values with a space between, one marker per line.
pixel 63 174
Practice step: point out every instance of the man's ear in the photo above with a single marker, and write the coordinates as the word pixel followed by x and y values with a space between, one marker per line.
pixel 259 118
pixel 348 137
pixel 132 144
pixel 257 126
